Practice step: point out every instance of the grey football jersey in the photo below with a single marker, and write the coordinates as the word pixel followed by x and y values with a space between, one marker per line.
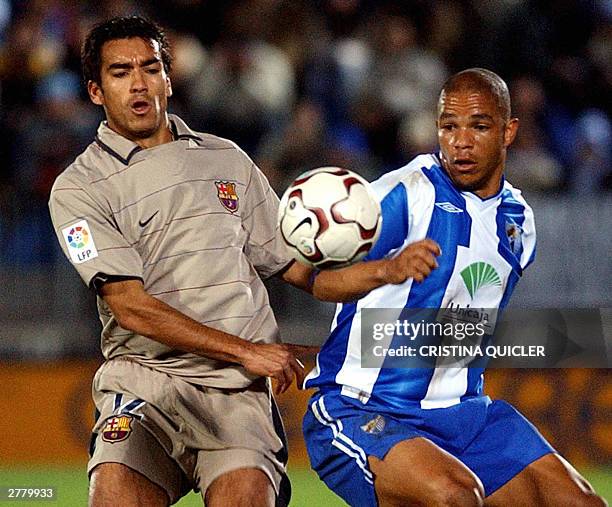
pixel 195 219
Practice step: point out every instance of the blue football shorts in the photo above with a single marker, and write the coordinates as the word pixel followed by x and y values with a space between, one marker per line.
pixel 492 439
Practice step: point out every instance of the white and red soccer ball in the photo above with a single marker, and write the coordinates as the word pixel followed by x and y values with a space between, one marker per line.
pixel 329 218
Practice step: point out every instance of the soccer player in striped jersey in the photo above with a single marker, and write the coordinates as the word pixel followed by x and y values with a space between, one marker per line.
pixel 399 436
pixel 175 230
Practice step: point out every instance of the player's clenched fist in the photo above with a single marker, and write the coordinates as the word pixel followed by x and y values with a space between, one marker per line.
pixel 277 360
pixel 416 261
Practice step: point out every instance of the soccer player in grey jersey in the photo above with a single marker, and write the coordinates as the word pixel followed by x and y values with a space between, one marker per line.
pixel 175 230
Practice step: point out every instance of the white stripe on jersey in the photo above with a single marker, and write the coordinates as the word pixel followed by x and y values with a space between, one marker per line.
pixel 447 385
pixel 421 194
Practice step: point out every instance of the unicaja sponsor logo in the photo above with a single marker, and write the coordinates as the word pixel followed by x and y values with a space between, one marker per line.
pixel 478 275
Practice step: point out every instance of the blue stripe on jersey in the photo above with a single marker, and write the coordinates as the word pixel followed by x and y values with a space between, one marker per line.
pixel 475 383
pixel 449 230
pixel 394 207
pixel 333 352
pixel 118 398
pixel 131 406
pixel 513 279
pixel 510 210
pixel 394 231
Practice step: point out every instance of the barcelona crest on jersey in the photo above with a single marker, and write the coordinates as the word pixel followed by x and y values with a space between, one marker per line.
pixel 226 191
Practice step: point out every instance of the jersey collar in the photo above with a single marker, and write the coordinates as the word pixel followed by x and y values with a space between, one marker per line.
pixel 123 149
pixel 180 130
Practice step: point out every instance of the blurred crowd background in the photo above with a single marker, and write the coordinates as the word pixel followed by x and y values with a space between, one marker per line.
pixel 301 84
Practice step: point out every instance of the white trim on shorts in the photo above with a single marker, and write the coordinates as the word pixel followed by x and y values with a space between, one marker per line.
pixel 341 441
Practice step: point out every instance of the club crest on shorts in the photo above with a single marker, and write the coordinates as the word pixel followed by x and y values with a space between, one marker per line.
pixel 117 428
pixel 226 192
pixel 374 426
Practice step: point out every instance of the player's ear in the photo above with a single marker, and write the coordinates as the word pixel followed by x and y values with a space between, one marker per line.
pixel 168 87
pixel 510 131
pixel 95 93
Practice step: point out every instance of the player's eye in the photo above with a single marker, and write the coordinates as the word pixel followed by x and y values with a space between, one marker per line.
pixel 153 70
pixel 482 127
pixel 447 126
pixel 122 73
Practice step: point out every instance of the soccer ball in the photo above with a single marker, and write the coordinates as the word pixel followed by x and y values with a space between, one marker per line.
pixel 329 218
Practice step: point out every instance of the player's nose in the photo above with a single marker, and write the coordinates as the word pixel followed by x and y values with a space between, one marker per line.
pixel 139 83
pixel 463 138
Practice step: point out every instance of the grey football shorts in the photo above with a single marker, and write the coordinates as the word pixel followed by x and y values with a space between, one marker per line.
pixel 183 436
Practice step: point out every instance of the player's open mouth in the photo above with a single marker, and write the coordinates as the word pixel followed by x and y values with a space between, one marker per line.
pixel 464 164
pixel 140 107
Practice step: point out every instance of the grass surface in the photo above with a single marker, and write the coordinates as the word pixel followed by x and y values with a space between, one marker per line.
pixel 308 491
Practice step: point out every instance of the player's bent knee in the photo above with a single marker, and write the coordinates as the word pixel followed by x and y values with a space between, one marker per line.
pixel 109 481
pixel 246 487
pixel 456 492
pixel 448 494
pixel 448 490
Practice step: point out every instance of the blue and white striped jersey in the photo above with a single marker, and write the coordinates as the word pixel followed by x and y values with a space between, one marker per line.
pixel 419 201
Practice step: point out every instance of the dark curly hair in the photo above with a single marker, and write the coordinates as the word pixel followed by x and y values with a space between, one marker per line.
pixel 120 28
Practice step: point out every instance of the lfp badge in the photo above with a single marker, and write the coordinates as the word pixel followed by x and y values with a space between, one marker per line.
pixel 80 243
pixel 226 192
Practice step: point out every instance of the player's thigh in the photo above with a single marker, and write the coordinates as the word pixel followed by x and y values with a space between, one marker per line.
pixel 418 472
pixel 112 481
pixel 548 481
pixel 245 487
pixel 236 430
pixel 240 477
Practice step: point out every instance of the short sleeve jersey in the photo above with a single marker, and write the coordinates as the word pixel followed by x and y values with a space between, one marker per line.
pixel 486 246
pixel 194 219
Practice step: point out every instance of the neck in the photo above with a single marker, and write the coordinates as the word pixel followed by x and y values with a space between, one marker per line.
pixel 161 136
pixel 490 189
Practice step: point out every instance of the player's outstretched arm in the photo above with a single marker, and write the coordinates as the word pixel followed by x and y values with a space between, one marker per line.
pixel 137 311
pixel 416 261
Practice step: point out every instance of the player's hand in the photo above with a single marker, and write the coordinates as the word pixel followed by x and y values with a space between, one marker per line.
pixel 416 261
pixel 279 361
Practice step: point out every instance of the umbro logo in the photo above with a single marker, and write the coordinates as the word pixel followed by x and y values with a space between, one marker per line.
pixel 450 207
pixel 142 223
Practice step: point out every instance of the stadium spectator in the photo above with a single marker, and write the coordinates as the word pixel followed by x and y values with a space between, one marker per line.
pixel 530 165
pixel 330 48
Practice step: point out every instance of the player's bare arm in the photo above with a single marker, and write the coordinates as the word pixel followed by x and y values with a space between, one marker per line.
pixel 299 275
pixel 137 311
pixel 416 261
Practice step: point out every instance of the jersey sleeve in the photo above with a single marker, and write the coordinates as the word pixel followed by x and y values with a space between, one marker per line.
pixel 88 235
pixel 394 206
pixel 528 238
pixel 265 248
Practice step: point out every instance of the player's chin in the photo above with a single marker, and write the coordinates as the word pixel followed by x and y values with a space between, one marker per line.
pixel 466 182
pixel 143 130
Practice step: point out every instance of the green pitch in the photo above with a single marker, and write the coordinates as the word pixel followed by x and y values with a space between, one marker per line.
pixel 308 491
